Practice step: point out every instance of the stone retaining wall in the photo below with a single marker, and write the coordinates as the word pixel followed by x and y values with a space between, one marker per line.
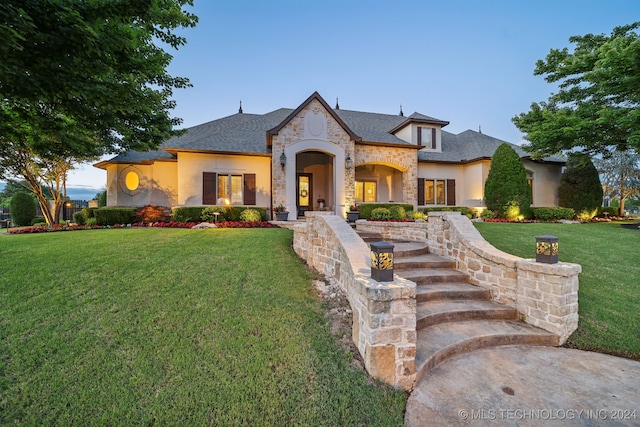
pixel 384 314
pixel 546 295
pixel 410 231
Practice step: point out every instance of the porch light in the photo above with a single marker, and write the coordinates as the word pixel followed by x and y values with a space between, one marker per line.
pixel 547 249
pixel 348 162
pixel 283 160
pixel 382 261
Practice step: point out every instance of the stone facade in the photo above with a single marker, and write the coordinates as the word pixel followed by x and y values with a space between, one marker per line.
pixel 384 324
pixel 408 231
pixel 546 295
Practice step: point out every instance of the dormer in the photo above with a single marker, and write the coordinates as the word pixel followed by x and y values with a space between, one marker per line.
pixel 421 130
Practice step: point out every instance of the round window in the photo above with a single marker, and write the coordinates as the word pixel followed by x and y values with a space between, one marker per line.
pixel 132 181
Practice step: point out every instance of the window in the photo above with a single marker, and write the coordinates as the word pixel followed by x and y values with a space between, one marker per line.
pixel 228 189
pixel 366 191
pixel 427 137
pixel 436 192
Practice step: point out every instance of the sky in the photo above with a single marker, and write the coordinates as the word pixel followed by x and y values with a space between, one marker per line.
pixel 467 62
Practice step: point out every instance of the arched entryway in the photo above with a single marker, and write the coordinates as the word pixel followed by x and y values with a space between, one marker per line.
pixel 315 186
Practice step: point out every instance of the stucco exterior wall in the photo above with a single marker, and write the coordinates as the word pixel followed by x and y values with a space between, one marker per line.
pixel 157 185
pixel 546 180
pixel 192 165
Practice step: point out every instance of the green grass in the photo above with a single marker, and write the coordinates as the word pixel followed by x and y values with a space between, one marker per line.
pixel 173 327
pixel 609 294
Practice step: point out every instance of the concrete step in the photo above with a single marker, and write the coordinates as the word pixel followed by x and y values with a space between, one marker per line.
pixel 434 312
pixel 450 291
pixel 423 276
pixel 410 260
pixel 440 342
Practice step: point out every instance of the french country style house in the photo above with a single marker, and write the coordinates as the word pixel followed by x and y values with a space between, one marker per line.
pixel 316 157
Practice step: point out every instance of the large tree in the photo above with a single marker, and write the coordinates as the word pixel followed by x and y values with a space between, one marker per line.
pixel 79 79
pixel 506 190
pixel 620 172
pixel 597 106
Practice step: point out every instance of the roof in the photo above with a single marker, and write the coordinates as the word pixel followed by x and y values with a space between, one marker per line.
pixel 243 133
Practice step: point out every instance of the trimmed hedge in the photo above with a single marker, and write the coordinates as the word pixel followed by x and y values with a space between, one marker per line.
pixel 366 208
pixel 553 213
pixel 23 208
pixel 113 216
pixel 229 213
pixel 468 212
pixel 610 210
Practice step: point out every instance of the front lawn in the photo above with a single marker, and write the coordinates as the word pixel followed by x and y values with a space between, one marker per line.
pixel 609 295
pixel 173 327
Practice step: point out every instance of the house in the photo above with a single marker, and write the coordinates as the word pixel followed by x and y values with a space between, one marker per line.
pixel 316 153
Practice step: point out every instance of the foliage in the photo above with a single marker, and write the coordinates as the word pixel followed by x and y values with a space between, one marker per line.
pixel 213 214
pixel 102 199
pixel 552 213
pixel 113 216
pixel 608 291
pixel 398 212
pixel 354 208
pixel 38 221
pixel 380 214
pixel 487 214
pixel 234 213
pixel 280 208
pixel 596 106
pixel 250 215
pixel 580 187
pixel 620 171
pixel 506 190
pixel 468 212
pixel 23 209
pixel 152 213
pixel 416 215
pixel 367 208
pixel 91 222
pixel 187 213
pixel 609 211
pixel 79 218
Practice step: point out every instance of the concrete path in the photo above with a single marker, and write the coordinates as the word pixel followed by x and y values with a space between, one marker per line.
pixel 528 386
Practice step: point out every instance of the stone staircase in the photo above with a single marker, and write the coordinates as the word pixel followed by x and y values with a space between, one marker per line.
pixel 452 315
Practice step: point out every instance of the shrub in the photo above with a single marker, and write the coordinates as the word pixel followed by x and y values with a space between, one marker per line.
pixel 88 212
pixel 38 221
pixel 487 214
pixel 102 199
pixel 553 213
pixel 611 211
pixel 507 191
pixel 23 208
pixel 380 214
pixel 417 215
pixel 398 212
pixel 580 186
pixel 113 216
pixel 250 215
pixel 367 208
pixel 462 209
pixel 92 222
pixel 208 214
pixel 79 218
pixel 234 213
pixel 187 213
pixel 152 213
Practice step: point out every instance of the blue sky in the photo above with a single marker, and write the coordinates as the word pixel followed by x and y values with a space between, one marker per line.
pixel 468 62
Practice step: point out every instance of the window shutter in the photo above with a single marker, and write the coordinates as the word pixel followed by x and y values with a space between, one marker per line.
pixel 420 191
pixel 419 135
pixel 208 188
pixel 451 192
pixel 433 138
pixel 249 190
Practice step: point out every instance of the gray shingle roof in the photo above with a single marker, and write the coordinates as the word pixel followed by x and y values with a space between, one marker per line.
pixel 246 133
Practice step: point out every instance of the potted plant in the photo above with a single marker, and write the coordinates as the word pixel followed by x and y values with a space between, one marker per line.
pixel 320 203
pixel 354 213
pixel 281 212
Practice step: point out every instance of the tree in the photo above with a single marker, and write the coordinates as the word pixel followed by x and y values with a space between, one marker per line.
pixel 620 172
pixel 506 190
pixel 79 79
pixel 580 187
pixel 23 208
pixel 597 106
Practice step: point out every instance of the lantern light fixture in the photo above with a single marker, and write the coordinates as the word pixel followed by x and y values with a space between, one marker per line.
pixel 283 160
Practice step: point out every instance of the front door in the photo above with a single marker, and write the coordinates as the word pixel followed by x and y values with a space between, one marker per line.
pixel 304 202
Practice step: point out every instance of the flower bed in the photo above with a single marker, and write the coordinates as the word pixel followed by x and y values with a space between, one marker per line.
pixel 170 224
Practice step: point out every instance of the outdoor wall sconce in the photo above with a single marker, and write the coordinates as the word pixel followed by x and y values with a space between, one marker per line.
pixel 283 160
pixel 547 249
pixel 382 261
pixel 348 162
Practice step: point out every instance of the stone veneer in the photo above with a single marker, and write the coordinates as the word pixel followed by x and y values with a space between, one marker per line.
pixel 546 295
pixel 409 231
pixel 384 314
